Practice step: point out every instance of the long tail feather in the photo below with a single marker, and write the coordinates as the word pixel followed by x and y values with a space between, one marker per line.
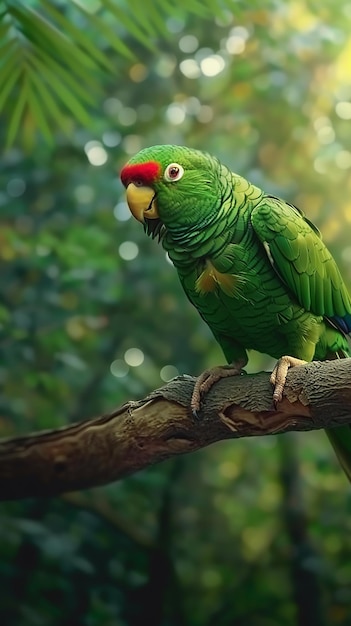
pixel 340 438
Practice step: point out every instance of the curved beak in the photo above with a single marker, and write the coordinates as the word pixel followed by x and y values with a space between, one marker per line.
pixel 142 202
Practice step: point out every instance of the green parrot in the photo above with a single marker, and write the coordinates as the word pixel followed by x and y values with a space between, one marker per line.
pixel 252 264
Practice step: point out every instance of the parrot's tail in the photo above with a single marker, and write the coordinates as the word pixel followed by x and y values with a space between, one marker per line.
pixel 340 437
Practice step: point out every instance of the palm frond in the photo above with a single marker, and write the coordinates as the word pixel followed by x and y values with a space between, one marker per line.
pixel 52 61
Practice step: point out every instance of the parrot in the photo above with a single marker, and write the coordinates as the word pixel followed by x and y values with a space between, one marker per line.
pixel 254 266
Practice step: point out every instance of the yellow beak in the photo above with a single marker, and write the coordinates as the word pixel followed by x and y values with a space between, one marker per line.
pixel 142 203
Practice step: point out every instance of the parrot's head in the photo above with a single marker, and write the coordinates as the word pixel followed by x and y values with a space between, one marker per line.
pixel 172 188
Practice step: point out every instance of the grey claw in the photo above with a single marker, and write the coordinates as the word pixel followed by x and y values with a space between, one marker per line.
pixel 196 413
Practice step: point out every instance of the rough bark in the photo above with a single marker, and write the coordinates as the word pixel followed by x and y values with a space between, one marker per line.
pixel 109 447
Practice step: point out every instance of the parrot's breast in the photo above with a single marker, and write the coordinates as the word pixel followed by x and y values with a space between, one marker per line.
pixel 250 306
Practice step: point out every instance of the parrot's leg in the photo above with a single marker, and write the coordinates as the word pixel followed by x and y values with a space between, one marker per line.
pixel 208 378
pixel 278 376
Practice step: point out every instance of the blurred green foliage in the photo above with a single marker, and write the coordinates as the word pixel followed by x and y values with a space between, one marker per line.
pixel 248 532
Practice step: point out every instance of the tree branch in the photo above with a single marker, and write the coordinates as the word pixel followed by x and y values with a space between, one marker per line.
pixel 109 447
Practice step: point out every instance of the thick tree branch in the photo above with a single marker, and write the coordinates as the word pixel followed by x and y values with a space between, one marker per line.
pixel 111 446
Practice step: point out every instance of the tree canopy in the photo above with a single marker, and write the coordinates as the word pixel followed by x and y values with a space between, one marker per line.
pixel 245 532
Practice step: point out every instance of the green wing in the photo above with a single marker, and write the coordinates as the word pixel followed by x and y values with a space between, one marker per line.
pixel 297 253
pixel 295 248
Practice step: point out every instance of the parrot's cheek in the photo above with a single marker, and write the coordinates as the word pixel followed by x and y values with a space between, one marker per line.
pixel 142 202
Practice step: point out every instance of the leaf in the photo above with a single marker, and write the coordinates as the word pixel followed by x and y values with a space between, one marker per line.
pixel 17 113
pixel 9 74
pixel 50 103
pixel 130 24
pixel 78 36
pixel 43 34
pixel 9 82
pixel 4 30
pixel 106 32
pixel 66 96
pixel 39 114
pixel 110 35
pixel 66 76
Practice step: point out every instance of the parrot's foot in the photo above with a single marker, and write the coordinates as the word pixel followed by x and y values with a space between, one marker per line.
pixel 278 376
pixel 208 378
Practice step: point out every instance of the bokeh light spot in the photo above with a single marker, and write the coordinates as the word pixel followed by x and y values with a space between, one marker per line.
pixel 188 43
pixel 229 469
pixel 42 250
pixel 343 110
pixel 175 114
pixel 212 65
pixel 326 134
pixel 165 66
pixel 127 116
pixel 189 68
pixel 346 254
pixel 168 372
pixel 175 24
pixel 122 212
pixel 343 159
pixel 132 144
pixel 119 368
pixel 134 357
pixel 112 106
pixel 96 153
pixel 111 138
pixel 146 112
pixel 240 31
pixel 15 187
pixel 138 72
pixel 205 115
pixel 193 105
pixel 52 271
pixel 320 122
pixel 235 44
pixel 128 250
pixel 84 193
pixel 75 327
pixel 320 165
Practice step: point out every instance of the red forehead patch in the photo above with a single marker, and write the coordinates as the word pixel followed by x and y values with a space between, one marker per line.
pixel 144 172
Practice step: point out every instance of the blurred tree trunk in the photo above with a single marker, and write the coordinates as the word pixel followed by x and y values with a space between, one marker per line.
pixel 159 600
pixel 303 555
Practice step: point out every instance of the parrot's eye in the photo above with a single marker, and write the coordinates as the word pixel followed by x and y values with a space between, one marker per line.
pixel 173 172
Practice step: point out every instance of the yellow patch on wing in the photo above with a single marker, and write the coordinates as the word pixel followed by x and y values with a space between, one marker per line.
pixel 211 279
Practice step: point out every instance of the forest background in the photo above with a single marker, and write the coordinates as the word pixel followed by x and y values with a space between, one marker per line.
pixel 247 532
